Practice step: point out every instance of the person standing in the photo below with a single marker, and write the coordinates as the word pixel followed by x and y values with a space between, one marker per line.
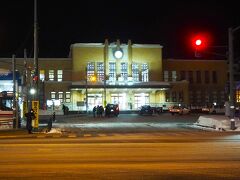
pixel 64 109
pixel 30 116
pixel 94 111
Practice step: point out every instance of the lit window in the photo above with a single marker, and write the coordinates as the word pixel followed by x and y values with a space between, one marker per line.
pixel 60 96
pixel 174 76
pixel 59 75
pixel 51 75
pixel 53 95
pixel 100 71
pixel 90 70
pixel 112 71
pixel 135 72
pixel 42 75
pixel 166 76
pixel 68 97
pixel 124 71
pixel 145 72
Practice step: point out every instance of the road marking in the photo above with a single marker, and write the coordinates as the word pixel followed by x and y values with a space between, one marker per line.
pixel 72 135
pixel 102 135
pixel 87 135
pixel 8 136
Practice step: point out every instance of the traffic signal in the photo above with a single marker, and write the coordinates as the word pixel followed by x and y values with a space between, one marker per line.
pixel 199 44
pixel 35 78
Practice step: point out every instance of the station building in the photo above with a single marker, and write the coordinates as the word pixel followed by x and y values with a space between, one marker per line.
pixel 127 74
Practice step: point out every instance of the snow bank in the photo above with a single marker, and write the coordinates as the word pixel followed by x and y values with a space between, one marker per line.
pixel 218 122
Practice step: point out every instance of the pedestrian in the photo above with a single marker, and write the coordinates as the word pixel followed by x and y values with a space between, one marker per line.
pixel 98 111
pixel 64 109
pixel 30 116
pixel 94 111
pixel 101 110
pixel 67 110
pixel 54 116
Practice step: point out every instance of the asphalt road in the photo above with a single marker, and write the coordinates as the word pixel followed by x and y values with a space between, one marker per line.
pixel 163 155
pixel 126 123
pixel 127 147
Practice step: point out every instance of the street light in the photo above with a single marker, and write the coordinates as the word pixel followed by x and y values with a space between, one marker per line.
pixel 32 91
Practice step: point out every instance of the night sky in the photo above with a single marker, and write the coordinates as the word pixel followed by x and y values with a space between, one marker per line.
pixel 168 23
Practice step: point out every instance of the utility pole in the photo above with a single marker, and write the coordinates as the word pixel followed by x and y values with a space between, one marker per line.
pixel 15 112
pixel 231 75
pixel 36 50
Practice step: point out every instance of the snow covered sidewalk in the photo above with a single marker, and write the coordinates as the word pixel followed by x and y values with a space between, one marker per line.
pixel 216 122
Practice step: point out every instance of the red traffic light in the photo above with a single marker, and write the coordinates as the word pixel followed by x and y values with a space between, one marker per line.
pixel 198 42
pixel 35 78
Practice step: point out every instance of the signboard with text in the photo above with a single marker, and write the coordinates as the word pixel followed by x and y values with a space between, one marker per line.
pixel 35 107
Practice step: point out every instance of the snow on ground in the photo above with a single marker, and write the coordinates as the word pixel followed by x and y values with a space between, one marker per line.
pixel 55 131
pixel 216 122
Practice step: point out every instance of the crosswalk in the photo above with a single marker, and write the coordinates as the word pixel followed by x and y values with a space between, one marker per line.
pixel 128 135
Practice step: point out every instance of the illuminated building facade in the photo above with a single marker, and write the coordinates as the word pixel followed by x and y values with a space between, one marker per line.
pixel 130 75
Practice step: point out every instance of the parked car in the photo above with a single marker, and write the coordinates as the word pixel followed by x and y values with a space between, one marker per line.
pixel 146 109
pixel 213 110
pixel 112 109
pixel 179 110
pixel 209 110
pixel 157 110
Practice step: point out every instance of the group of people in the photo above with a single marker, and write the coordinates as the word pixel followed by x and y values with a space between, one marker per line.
pixel 98 111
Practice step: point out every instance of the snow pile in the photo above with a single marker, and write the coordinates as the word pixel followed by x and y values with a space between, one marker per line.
pixel 55 131
pixel 217 122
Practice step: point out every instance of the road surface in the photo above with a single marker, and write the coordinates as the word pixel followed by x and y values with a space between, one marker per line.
pixel 162 155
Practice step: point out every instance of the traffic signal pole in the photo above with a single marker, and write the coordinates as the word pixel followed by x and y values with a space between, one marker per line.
pixel 36 50
pixel 231 75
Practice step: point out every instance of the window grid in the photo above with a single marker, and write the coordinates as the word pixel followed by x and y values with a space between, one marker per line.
pixel 112 71
pixel 207 77
pixel 199 80
pixel 51 75
pixel 68 97
pixel 53 95
pixel 100 71
pixel 60 96
pixel 124 71
pixel 174 76
pixel 214 77
pixel 60 75
pixel 166 76
pixel 90 70
pixel 145 72
pixel 135 72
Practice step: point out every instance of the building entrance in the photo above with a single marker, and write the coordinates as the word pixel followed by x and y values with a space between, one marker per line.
pixel 119 99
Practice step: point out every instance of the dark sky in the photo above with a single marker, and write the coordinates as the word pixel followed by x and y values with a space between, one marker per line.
pixel 62 23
